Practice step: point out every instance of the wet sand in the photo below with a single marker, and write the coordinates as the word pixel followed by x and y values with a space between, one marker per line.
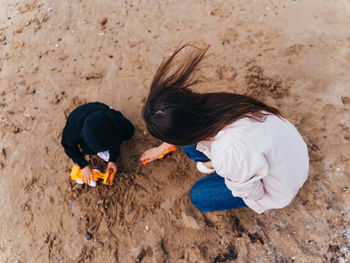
pixel 56 55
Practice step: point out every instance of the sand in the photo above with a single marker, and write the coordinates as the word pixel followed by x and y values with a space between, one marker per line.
pixel 56 55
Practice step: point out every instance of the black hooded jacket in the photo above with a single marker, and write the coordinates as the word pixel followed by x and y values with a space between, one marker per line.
pixel 92 128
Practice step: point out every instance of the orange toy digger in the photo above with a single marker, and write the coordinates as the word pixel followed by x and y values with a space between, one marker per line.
pixel 107 177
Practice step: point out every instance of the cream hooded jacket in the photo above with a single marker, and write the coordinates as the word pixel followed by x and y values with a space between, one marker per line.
pixel 265 163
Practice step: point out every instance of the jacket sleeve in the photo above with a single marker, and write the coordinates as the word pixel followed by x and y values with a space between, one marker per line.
pixel 125 130
pixel 125 127
pixel 71 148
pixel 243 168
pixel 114 153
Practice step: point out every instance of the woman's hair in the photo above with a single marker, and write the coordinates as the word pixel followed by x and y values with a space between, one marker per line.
pixel 175 114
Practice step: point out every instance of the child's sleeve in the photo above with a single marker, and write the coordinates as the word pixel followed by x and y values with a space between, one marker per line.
pixel 125 131
pixel 114 153
pixel 125 127
pixel 71 148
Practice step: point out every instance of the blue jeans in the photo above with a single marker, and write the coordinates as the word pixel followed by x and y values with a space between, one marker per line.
pixel 210 193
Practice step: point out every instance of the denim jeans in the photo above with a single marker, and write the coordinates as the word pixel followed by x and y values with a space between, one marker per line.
pixel 210 193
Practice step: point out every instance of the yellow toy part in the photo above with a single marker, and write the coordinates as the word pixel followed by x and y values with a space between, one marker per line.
pixel 107 177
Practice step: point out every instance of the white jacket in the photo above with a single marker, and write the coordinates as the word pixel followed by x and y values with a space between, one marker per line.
pixel 265 163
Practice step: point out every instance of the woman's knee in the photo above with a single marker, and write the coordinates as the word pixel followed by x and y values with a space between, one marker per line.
pixel 194 154
pixel 189 149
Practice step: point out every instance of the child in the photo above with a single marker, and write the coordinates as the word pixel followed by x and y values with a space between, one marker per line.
pixel 95 129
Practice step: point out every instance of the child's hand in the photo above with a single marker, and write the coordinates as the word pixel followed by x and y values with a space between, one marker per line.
pixel 151 154
pixel 86 174
pixel 112 166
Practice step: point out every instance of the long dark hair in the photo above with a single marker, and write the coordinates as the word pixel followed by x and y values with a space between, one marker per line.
pixel 175 114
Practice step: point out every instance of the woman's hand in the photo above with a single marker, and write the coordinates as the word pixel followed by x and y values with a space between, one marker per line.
pixel 112 166
pixel 86 174
pixel 152 154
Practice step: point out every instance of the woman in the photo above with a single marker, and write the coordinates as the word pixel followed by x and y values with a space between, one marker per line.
pixel 259 158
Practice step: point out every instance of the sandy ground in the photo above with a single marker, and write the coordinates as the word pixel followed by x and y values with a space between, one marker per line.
pixel 56 55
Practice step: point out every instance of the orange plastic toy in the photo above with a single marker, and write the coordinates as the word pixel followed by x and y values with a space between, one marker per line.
pixel 164 154
pixel 108 177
